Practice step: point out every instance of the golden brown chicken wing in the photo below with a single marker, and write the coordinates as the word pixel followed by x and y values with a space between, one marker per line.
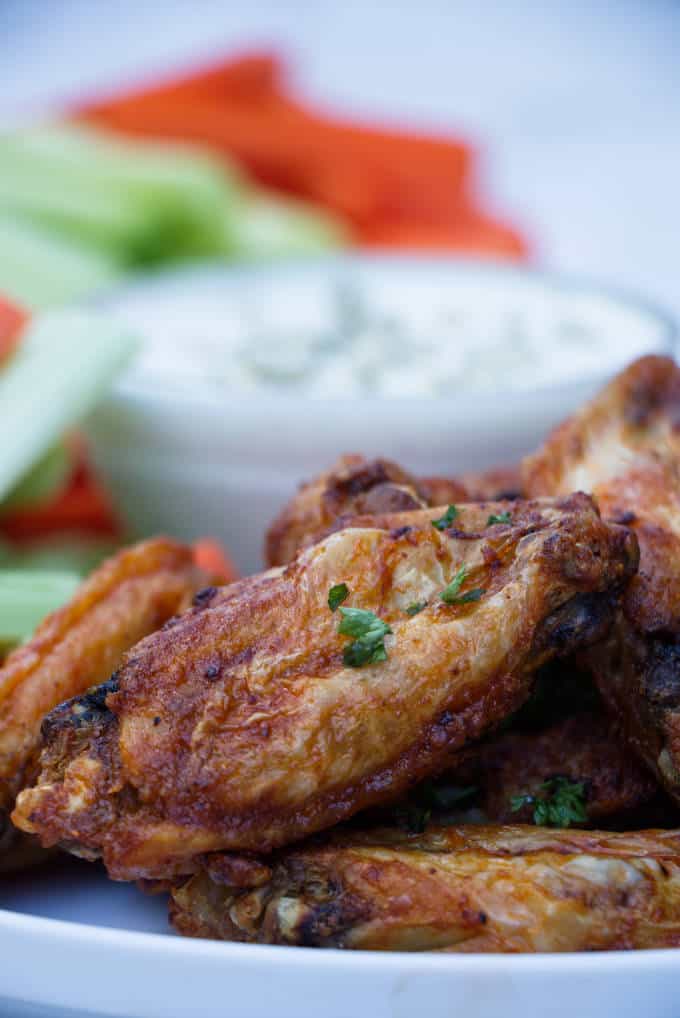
pixel 624 447
pixel 472 889
pixel 355 487
pixel 263 715
pixel 125 599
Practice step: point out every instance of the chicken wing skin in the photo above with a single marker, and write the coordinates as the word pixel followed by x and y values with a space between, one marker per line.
pixel 464 889
pixel 624 447
pixel 245 725
pixel 128 597
pixel 355 487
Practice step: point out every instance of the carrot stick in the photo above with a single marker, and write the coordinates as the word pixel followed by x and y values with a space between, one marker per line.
pixel 285 148
pixel 83 507
pixel 396 188
pixel 473 234
pixel 247 78
pixel 12 321
pixel 210 556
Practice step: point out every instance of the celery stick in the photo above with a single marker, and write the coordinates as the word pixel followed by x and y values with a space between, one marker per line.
pixel 39 268
pixel 78 555
pixel 270 227
pixel 27 597
pixel 64 363
pixel 44 479
pixel 140 201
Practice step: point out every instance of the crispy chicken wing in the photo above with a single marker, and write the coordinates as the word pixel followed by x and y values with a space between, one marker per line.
pixel 355 486
pixel 125 599
pixel 472 889
pixel 252 720
pixel 624 447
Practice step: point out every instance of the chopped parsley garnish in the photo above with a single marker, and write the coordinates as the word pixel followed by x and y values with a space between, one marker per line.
pixel 336 595
pixel 451 593
pixel 369 632
pixel 446 520
pixel 416 607
pixel 501 518
pixel 561 802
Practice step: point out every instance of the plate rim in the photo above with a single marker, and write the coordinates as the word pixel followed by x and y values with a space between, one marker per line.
pixel 164 946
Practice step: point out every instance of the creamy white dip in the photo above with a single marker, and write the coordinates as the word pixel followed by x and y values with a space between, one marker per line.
pixel 378 328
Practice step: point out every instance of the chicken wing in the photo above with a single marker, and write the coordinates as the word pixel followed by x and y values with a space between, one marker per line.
pixel 560 756
pixel 465 889
pixel 254 720
pixel 355 487
pixel 583 749
pixel 125 599
pixel 624 447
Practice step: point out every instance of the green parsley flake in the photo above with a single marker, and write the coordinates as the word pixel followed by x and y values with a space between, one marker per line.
pixel 336 595
pixel 501 518
pixel 416 607
pixel 369 632
pixel 561 803
pixel 451 594
pixel 446 520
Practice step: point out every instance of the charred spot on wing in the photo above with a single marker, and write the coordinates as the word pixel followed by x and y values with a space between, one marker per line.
pixel 624 517
pixel 326 923
pixel 366 477
pixel 203 598
pixel 88 709
pixel 582 621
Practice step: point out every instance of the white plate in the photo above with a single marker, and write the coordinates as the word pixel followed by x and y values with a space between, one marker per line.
pixel 71 942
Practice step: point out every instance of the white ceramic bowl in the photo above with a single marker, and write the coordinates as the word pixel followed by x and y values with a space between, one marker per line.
pixel 196 457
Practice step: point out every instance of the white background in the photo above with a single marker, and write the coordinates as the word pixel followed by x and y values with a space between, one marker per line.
pixel 575 106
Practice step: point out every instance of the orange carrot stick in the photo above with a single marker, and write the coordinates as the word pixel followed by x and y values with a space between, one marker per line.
pixel 285 148
pixel 473 234
pixel 12 321
pixel 211 557
pixel 82 507
pixel 247 78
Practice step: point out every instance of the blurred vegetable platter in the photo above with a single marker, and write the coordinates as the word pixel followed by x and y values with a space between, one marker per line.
pixel 224 163
pixel 79 208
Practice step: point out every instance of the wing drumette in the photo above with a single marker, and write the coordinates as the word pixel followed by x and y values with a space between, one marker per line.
pixel 357 487
pixel 471 889
pixel 255 719
pixel 122 601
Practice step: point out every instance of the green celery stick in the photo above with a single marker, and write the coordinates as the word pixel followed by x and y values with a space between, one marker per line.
pixel 39 268
pixel 78 555
pixel 65 361
pixel 270 227
pixel 140 201
pixel 44 479
pixel 27 597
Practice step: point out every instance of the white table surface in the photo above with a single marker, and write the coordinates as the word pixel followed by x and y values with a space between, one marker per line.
pixel 575 105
